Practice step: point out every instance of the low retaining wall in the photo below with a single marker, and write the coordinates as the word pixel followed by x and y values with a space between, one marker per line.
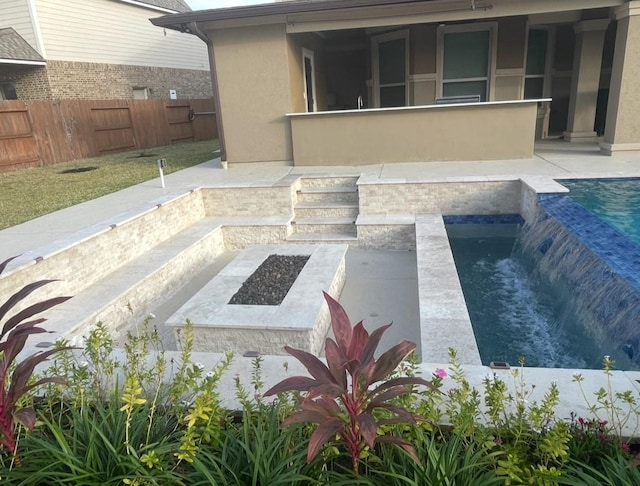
pixel 468 195
pixel 89 255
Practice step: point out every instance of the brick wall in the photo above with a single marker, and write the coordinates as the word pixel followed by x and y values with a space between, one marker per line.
pixel 76 80
pixel 31 82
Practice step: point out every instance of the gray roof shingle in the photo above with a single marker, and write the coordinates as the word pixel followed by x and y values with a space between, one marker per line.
pixel 13 46
pixel 177 5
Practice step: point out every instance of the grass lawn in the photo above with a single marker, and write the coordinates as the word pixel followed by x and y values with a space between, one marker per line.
pixel 28 193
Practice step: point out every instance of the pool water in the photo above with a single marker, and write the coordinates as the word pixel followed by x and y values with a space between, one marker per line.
pixel 616 201
pixel 517 312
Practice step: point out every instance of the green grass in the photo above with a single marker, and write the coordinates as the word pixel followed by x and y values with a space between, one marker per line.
pixel 28 193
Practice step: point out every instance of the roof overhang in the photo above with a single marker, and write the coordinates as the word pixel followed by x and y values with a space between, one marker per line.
pixel 15 50
pixel 324 15
pixel 22 62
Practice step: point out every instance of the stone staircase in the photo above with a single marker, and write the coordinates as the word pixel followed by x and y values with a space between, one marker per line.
pixel 326 210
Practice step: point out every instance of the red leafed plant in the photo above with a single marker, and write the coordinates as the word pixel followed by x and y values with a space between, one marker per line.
pixel 342 396
pixel 15 331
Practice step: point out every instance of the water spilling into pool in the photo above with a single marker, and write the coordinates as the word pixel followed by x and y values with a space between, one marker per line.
pixel 562 291
pixel 513 313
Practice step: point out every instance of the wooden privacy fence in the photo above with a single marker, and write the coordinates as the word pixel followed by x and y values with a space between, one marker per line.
pixel 34 133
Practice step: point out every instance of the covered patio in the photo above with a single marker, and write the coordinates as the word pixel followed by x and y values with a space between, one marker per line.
pixel 371 81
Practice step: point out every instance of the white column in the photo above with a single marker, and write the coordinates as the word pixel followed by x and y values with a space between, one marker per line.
pixel 585 79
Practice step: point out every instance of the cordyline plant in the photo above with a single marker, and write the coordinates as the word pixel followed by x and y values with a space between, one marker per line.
pixel 15 331
pixel 343 396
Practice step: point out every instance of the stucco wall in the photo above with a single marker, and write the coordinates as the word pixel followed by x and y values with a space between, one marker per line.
pixel 255 92
pixel 512 42
pixel 454 132
pixel 623 123
pixel 510 59
pixel 423 43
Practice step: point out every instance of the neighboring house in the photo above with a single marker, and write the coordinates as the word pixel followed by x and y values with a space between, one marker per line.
pixel 292 76
pixel 97 49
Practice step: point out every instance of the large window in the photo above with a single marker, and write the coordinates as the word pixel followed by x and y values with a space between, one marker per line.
pixel 536 64
pixel 390 62
pixel 466 67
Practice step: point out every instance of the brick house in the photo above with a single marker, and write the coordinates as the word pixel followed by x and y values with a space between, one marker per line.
pixel 98 49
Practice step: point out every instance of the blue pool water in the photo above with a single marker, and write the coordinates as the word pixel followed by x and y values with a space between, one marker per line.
pixel 616 201
pixel 561 290
pixel 514 311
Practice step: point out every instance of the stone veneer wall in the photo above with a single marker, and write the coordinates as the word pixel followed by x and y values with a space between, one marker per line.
pixel 444 319
pixel 249 201
pixel 91 254
pixel 449 197
pixel 532 187
pixel 240 237
pixel 155 288
pixel 382 233
pixel 94 81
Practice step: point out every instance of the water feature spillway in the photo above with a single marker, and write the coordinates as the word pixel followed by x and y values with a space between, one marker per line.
pixel 593 265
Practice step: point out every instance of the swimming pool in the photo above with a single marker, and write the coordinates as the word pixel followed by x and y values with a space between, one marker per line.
pixel 515 311
pixel 564 289
pixel 616 201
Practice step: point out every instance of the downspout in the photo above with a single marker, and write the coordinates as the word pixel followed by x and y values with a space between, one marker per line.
pixel 195 30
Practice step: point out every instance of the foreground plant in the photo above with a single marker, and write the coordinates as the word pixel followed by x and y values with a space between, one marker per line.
pixel 619 409
pixel 13 337
pixel 347 396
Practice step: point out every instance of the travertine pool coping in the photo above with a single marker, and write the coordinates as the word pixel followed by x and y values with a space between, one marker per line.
pixel 300 321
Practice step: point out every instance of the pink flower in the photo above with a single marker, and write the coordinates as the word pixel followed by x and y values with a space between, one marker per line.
pixel 441 373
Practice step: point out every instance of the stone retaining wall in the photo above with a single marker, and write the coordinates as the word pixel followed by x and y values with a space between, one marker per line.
pixel 91 254
pixel 466 196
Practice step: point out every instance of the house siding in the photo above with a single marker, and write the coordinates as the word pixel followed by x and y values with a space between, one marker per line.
pixel 15 13
pixel 79 30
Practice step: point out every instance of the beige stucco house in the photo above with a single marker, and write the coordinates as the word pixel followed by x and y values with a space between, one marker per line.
pixel 367 81
pixel 97 49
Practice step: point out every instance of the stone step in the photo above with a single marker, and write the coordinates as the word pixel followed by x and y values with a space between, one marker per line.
pixel 324 238
pixel 348 195
pixel 330 226
pixel 323 181
pixel 129 293
pixel 326 210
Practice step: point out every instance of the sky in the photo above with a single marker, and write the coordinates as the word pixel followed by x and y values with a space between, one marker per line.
pixel 205 4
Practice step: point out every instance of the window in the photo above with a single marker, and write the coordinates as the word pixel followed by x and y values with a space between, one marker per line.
pixel 536 63
pixel 140 93
pixel 8 91
pixel 466 65
pixel 390 63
